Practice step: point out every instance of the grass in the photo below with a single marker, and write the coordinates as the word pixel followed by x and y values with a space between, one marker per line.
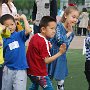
pixel 76 79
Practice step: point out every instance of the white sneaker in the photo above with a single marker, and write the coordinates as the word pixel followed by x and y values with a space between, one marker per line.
pixel 60 87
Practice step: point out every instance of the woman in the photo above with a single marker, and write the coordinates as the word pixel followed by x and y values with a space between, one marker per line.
pixel 84 17
pixel 8 7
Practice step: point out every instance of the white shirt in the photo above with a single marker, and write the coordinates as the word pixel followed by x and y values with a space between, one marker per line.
pixel 5 9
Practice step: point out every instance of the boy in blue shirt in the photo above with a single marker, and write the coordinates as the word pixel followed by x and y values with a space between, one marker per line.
pixel 14 73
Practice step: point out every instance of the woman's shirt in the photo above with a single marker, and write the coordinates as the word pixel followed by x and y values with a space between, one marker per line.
pixel 6 10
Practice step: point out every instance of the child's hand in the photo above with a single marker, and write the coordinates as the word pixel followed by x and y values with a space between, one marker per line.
pixel 17 17
pixel 69 27
pixel 62 48
pixel 2 26
pixel 23 17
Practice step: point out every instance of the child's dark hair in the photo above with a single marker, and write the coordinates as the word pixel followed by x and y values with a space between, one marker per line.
pixel 6 17
pixel 67 11
pixel 45 20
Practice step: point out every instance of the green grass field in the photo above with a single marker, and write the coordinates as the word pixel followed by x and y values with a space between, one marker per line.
pixel 76 78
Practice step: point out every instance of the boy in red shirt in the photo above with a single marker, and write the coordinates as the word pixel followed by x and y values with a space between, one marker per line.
pixel 38 54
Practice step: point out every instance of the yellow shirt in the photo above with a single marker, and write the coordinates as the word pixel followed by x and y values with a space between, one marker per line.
pixel 5 34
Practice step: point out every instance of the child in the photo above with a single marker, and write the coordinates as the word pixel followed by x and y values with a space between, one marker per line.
pixel 14 72
pixel 64 34
pixel 87 63
pixel 4 32
pixel 38 54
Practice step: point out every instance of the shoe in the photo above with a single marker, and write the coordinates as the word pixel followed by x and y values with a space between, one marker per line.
pixel 60 87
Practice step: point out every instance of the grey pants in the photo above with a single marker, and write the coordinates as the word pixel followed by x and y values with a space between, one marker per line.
pixel 14 79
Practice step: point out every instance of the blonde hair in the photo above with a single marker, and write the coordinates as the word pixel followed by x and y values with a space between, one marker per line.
pixel 67 11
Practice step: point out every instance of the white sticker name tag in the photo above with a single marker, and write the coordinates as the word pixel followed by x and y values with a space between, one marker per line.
pixel 14 45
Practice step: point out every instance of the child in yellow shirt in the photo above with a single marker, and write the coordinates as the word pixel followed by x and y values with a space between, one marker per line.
pixel 4 32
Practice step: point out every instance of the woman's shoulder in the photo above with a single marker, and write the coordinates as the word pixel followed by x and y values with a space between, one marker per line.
pixel 12 4
pixel 4 5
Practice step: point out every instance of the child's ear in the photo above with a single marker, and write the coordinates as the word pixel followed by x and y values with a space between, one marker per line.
pixel 43 29
pixel 65 15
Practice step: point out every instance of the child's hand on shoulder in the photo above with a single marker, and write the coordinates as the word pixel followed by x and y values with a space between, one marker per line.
pixel 62 48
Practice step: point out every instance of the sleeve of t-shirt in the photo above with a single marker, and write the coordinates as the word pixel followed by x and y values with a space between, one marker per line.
pixel 23 36
pixel 44 50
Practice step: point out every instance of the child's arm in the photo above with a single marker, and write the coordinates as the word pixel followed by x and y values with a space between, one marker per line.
pixel 4 31
pixel 27 27
pixel 62 49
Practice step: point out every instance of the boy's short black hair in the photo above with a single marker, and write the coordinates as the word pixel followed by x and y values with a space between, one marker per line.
pixel 45 20
pixel 6 17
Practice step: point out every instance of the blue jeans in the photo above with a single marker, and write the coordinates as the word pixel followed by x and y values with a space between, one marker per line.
pixel 43 81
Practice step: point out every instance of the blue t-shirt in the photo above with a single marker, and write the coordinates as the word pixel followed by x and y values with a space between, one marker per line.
pixel 14 51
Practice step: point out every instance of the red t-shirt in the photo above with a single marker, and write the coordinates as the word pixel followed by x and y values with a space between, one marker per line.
pixel 38 49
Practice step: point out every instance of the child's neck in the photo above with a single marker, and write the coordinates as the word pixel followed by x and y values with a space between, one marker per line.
pixel 43 35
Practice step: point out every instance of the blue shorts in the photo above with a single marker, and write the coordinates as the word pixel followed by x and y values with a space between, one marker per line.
pixel 43 81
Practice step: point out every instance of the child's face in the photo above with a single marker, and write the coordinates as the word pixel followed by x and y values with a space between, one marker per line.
pixel 72 18
pixel 10 24
pixel 50 30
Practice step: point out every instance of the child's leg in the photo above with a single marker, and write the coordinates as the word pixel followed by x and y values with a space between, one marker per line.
pixel 87 72
pixel 7 81
pixel 34 87
pixel 60 85
pixel 45 83
pixel 1 71
pixel 20 80
pixel 35 84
